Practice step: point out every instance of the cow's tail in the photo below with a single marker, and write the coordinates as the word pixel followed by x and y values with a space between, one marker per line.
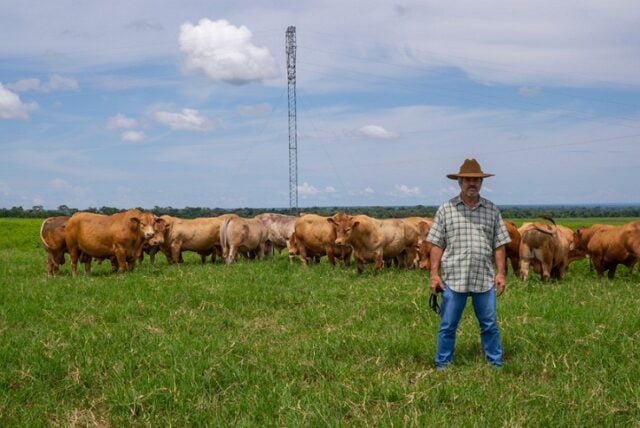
pixel 224 239
pixel 41 236
pixel 550 230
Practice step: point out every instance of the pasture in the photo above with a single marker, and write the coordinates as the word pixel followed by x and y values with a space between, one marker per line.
pixel 264 343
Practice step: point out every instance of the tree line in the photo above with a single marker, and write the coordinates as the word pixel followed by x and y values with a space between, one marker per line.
pixel 554 211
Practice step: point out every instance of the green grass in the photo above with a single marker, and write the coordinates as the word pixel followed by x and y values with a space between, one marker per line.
pixel 269 343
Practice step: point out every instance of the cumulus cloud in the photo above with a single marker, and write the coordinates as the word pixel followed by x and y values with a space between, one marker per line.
pixel 133 136
pixel 222 51
pixel 120 121
pixel 404 190
pixel 187 120
pixel 369 191
pixel 375 131
pixel 307 189
pixel 11 107
pixel 55 83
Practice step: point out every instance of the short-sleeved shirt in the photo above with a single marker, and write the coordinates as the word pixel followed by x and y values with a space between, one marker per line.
pixel 468 236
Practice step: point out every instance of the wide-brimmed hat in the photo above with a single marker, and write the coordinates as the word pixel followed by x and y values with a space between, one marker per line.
pixel 470 168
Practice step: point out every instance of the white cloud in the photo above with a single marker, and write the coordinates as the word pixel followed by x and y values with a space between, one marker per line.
pixel 375 131
pixel 60 83
pixel 55 83
pixel 224 52
pixel 11 107
pixel 120 121
pixel 187 120
pixel 404 190
pixel 329 189
pixel 369 191
pixel 133 136
pixel 307 189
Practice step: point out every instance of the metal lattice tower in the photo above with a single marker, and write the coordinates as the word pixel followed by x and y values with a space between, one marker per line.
pixel 293 126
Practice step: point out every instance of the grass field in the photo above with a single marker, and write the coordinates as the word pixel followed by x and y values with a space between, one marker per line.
pixel 271 343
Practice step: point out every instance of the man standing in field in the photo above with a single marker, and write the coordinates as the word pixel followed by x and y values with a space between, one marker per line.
pixel 468 235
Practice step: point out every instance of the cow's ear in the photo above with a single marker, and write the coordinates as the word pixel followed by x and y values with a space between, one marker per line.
pixel 355 223
pixel 331 220
pixel 135 222
pixel 159 220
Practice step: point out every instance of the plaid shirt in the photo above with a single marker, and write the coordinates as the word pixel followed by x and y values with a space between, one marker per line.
pixel 468 236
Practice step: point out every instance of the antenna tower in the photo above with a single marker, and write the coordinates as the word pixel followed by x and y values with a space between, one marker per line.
pixel 293 126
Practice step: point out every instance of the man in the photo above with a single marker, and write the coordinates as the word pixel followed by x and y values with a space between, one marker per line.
pixel 468 236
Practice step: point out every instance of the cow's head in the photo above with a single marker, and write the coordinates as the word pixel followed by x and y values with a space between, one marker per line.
pixel 143 224
pixel 159 228
pixel 343 224
pixel 292 245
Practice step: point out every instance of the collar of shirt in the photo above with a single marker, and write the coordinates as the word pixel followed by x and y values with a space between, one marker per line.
pixel 458 200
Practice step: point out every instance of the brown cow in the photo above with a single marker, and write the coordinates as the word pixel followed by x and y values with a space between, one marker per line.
pixel 608 246
pixel 52 237
pixel 551 246
pixel 279 228
pixel 200 235
pixel 118 237
pixel 513 247
pixel 243 235
pixel 313 237
pixel 374 240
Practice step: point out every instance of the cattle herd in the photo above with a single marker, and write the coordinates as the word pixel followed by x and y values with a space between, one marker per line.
pixel 124 238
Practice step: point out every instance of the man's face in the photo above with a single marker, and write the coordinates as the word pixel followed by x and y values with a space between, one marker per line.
pixel 470 186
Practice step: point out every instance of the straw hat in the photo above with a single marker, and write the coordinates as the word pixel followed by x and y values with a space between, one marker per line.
pixel 469 168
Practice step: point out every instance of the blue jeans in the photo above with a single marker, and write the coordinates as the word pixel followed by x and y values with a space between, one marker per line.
pixel 484 306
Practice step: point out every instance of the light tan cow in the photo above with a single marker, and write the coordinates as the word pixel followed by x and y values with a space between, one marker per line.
pixel 314 236
pixel 118 237
pixel 608 246
pixel 200 235
pixel 375 240
pixel 549 245
pixel 243 235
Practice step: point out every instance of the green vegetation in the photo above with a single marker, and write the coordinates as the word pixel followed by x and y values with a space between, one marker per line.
pixel 272 343
pixel 519 212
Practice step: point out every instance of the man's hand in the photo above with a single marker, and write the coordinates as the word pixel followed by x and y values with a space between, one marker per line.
pixel 501 283
pixel 436 284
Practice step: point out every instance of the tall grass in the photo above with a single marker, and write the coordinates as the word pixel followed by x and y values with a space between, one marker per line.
pixel 272 343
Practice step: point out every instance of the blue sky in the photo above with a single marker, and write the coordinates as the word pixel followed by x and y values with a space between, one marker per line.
pixel 146 103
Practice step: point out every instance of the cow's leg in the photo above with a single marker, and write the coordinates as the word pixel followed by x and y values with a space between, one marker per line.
pixel 176 254
pixel 612 270
pixel 152 254
pixel 524 268
pixel 74 253
pixel 331 255
pixel 379 261
pixel 359 264
pixel 121 258
pixel 203 258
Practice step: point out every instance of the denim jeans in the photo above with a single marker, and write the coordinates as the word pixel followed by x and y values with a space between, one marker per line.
pixel 484 306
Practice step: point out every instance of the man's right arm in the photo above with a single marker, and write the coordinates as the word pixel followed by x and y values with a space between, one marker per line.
pixel 435 282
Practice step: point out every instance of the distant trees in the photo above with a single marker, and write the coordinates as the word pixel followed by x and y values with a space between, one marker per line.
pixel 554 211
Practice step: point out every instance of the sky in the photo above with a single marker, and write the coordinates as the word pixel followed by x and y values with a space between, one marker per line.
pixel 143 103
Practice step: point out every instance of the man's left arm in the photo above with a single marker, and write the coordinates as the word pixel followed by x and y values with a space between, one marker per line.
pixel 500 255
